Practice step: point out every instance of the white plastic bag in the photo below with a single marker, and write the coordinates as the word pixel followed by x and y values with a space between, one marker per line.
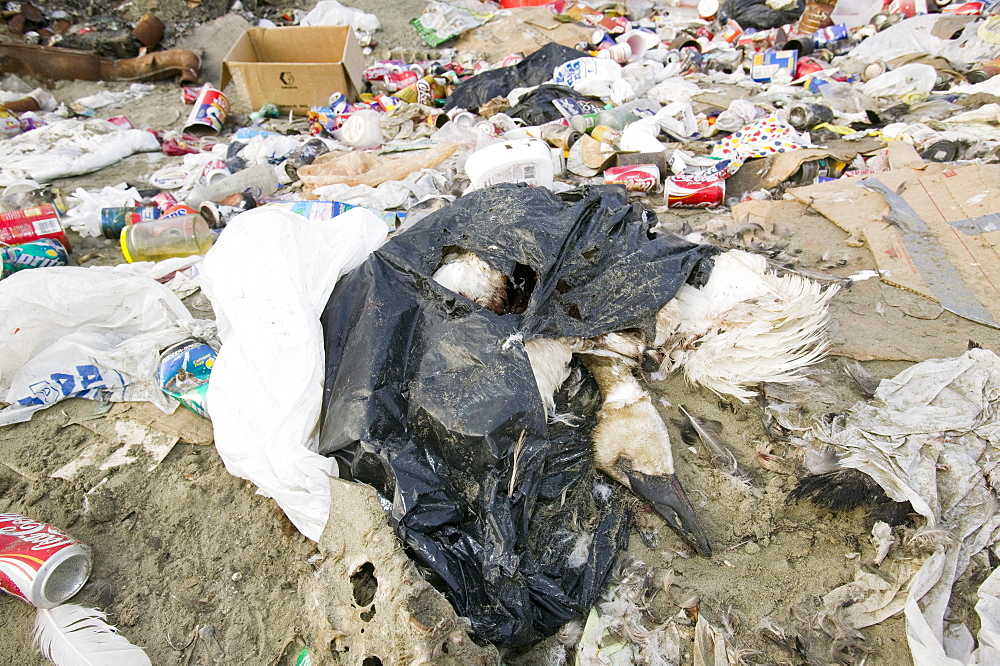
pixel 269 278
pixel 86 332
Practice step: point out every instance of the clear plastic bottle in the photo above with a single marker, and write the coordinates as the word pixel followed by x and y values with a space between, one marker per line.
pixel 620 116
pixel 154 240
pixel 259 181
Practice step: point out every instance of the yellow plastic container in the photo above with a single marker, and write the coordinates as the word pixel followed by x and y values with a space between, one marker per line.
pixel 166 237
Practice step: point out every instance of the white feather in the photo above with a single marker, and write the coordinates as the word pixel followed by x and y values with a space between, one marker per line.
pixel 550 361
pixel 71 635
pixel 746 325
pixel 466 274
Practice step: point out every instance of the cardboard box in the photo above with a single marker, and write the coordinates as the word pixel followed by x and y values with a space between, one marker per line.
pixel 766 66
pixel 296 68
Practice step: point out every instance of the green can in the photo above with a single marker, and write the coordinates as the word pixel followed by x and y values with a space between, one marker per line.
pixel 39 253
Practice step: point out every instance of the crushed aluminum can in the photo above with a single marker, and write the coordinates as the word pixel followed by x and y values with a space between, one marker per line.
pixel 39 563
pixel 184 371
pixel 41 253
pixel 691 192
pixel 164 200
pixel 635 177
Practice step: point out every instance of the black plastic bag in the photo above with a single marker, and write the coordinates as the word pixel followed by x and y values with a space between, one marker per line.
pixel 539 106
pixel 431 398
pixel 757 14
pixel 532 71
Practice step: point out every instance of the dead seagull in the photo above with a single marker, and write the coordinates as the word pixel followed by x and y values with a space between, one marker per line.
pixel 744 326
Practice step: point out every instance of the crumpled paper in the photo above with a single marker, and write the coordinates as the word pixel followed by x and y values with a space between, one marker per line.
pixel 931 435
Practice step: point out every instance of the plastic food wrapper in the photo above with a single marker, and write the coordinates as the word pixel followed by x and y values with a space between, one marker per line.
pixel 366 168
pixel 85 216
pixel 69 148
pixel 431 399
pixel 909 83
pixel 267 383
pixel 86 332
pixel 442 21
pixel 331 12
pixel 534 70
pixel 938 410
pixel 184 371
pixel 760 138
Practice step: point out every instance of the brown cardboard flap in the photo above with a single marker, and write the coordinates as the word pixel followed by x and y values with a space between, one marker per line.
pixel 935 232
pixel 524 31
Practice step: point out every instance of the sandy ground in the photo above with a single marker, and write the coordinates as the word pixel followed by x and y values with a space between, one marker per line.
pixel 191 564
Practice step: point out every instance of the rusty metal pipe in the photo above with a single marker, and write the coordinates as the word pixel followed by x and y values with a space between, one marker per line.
pixel 50 63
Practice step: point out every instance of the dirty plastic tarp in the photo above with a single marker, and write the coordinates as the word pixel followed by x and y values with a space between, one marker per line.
pixel 532 71
pixel 269 277
pixel 69 148
pixel 939 411
pixel 761 14
pixel 86 332
pixel 431 398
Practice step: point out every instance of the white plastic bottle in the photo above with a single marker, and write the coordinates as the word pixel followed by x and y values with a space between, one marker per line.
pixel 518 161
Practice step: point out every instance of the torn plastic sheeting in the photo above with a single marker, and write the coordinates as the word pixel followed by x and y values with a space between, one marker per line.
pixel 266 388
pixel 85 332
pixel 69 148
pixel 431 399
pixel 914 35
pixel 759 13
pixel 366 168
pixel 944 409
pixel 532 71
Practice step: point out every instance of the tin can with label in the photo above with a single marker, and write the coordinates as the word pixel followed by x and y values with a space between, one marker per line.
pixel 41 253
pixel 635 177
pixel 179 210
pixel 209 112
pixel 560 135
pixel 692 192
pixel 184 371
pixel 28 224
pixel 931 145
pixel 113 220
pixel 39 563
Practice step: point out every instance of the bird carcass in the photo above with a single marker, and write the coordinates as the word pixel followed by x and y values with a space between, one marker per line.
pixel 482 374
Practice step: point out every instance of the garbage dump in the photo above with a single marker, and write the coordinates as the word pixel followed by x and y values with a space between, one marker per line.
pixel 499 332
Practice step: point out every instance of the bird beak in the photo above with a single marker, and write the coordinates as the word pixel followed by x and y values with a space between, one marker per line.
pixel 669 500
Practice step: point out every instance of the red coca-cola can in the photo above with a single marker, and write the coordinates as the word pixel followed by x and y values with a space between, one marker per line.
pixel 28 224
pixel 692 192
pixel 635 177
pixel 39 563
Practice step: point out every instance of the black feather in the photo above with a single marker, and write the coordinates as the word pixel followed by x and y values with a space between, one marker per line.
pixel 849 489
